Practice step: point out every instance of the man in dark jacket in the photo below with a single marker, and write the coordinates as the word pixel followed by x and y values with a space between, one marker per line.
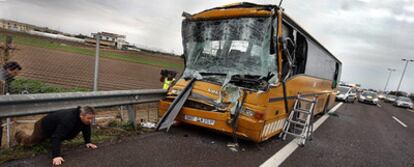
pixel 60 126
pixel 7 73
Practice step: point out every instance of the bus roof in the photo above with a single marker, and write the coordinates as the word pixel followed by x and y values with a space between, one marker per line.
pixel 244 9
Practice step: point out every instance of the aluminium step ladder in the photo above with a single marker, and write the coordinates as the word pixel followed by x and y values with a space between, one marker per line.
pixel 300 121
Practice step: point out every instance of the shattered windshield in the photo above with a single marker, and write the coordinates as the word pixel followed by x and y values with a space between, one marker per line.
pixel 219 48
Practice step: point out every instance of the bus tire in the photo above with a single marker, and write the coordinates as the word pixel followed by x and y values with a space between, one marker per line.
pixel 325 108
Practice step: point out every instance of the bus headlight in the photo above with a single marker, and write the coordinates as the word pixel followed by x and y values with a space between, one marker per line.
pixel 252 114
pixel 248 112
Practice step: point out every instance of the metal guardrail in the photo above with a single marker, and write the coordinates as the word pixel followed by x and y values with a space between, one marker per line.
pixel 33 104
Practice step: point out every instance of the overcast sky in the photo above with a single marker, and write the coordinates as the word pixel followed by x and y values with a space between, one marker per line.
pixel 368 36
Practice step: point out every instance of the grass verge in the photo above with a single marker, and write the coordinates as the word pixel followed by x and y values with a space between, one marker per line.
pixel 114 131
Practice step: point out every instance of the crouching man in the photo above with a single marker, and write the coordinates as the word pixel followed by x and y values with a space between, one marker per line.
pixel 60 126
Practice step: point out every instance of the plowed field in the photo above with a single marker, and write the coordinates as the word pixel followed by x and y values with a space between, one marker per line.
pixel 77 70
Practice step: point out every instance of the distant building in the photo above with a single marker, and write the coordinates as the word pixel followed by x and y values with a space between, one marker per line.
pixel 15 26
pixel 108 39
pixel 24 27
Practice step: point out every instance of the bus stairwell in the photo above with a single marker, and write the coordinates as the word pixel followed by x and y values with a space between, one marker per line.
pixel 300 121
pixel 168 118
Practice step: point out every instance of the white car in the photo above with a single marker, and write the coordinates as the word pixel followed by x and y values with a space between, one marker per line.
pixel 346 94
pixel 390 98
pixel 368 97
pixel 403 102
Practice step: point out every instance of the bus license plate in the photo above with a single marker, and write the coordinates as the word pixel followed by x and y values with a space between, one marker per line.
pixel 199 119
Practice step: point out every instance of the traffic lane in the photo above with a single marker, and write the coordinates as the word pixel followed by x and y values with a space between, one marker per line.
pixel 360 135
pixel 403 114
pixel 181 146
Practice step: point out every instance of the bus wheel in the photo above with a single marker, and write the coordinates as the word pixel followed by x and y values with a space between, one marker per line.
pixel 325 108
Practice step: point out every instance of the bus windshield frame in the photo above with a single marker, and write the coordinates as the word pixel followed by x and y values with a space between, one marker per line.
pixel 219 49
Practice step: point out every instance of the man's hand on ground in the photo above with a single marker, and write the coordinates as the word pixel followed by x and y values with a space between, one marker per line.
pixel 92 146
pixel 58 161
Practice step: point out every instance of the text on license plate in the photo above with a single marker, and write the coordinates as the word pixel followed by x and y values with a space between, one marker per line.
pixel 199 119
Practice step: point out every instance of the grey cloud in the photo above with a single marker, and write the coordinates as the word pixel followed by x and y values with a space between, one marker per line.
pixel 366 35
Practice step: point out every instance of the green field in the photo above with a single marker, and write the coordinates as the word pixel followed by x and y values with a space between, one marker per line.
pixel 49 44
pixel 22 84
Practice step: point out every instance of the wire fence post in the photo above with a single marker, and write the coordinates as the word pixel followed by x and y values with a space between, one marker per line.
pixel 95 81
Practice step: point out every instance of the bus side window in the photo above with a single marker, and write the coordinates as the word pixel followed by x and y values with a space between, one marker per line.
pixel 287 32
pixel 298 51
pixel 300 54
pixel 336 76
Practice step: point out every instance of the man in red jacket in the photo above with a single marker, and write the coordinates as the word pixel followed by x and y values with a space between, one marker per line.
pixel 60 126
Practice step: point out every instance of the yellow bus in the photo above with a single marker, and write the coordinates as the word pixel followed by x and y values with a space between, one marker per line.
pixel 246 63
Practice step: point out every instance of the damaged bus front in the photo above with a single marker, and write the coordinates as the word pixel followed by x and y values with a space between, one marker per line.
pixel 231 53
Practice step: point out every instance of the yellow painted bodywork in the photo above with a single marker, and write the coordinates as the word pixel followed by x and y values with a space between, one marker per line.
pixel 248 127
pixel 230 13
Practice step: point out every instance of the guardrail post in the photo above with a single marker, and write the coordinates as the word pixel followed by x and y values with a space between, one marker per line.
pixel 1 133
pixel 132 115
pixel 8 124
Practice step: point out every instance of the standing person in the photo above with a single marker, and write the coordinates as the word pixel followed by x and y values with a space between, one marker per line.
pixel 60 126
pixel 7 74
pixel 168 78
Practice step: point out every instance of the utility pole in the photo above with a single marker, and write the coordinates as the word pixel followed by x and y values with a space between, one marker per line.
pixel 405 68
pixel 95 81
pixel 389 76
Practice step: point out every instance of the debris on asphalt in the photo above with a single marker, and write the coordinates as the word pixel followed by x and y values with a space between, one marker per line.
pixel 333 114
pixel 233 147
pixel 149 125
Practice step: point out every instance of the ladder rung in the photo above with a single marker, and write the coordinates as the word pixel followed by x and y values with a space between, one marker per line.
pixel 305 99
pixel 298 128
pixel 302 111
pixel 294 134
pixel 296 122
pixel 300 120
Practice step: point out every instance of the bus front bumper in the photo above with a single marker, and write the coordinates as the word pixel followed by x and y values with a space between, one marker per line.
pixel 248 128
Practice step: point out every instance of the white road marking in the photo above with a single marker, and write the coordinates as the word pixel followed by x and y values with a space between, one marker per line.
pixel 410 110
pixel 401 123
pixel 286 151
pixel 379 105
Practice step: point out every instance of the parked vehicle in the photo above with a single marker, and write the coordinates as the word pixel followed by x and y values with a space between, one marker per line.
pixel 403 102
pixel 369 97
pixel 346 94
pixel 381 95
pixel 390 98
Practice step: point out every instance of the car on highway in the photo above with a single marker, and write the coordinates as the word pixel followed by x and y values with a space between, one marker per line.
pixel 346 94
pixel 369 97
pixel 381 95
pixel 403 102
pixel 390 98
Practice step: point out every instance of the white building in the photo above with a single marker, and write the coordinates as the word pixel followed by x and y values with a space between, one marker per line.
pixel 109 39
pixel 15 26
